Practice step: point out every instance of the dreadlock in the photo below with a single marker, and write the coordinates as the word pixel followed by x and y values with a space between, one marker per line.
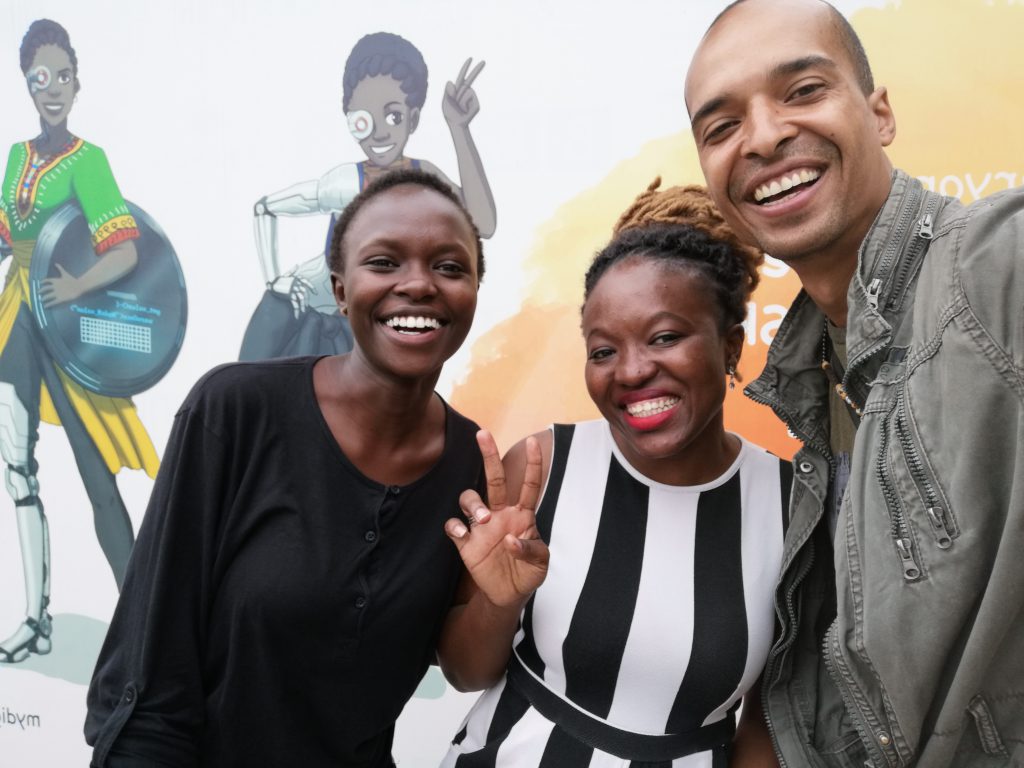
pixel 681 226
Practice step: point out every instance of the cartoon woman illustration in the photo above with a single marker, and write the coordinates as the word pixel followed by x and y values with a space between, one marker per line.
pixel 105 433
pixel 384 90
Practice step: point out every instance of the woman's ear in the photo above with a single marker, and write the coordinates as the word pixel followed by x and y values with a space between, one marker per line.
pixel 338 289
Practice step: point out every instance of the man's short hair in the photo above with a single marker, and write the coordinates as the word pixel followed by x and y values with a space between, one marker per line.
pixel 847 37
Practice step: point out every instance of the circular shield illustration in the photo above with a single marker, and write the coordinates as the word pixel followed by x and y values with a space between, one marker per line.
pixel 120 339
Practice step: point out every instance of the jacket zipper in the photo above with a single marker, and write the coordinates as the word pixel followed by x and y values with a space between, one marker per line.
pixel 781 646
pixel 898 233
pixel 935 513
pixel 924 235
pixel 898 524
pixel 828 646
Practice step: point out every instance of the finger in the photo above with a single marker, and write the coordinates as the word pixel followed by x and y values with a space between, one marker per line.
pixel 473 507
pixel 462 72
pixel 63 272
pixel 529 494
pixel 531 551
pixel 473 75
pixel 457 531
pixel 468 82
pixel 494 470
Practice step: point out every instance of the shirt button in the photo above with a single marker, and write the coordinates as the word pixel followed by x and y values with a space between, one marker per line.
pixel 129 695
pixel 395 489
pixel 370 536
pixel 360 602
pixel 883 739
pixel 805 467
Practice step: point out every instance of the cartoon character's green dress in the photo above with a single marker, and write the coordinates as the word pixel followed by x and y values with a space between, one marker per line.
pixel 105 432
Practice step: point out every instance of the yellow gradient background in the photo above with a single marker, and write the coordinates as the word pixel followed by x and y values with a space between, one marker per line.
pixel 955 74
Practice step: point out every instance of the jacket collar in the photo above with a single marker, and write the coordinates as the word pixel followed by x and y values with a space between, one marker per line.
pixel 792 383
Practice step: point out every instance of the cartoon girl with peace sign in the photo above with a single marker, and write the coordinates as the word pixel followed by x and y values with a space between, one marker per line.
pixel 384 90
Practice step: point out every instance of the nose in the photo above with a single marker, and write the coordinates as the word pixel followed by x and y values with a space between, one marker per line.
pixel 765 129
pixel 416 283
pixel 635 368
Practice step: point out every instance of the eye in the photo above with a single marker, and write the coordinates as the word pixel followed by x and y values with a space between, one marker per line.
pixel 360 124
pixel 805 90
pixel 393 118
pixel 719 130
pixel 64 78
pixel 380 262
pixel 599 354
pixel 666 338
pixel 451 268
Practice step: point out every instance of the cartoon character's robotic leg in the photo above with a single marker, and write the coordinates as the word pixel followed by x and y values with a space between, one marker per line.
pixel 16 447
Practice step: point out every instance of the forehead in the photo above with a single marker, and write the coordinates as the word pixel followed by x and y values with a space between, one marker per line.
pixel 756 37
pixel 409 214
pixel 377 89
pixel 642 286
pixel 52 56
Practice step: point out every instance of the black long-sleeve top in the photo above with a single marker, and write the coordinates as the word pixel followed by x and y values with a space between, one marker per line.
pixel 279 607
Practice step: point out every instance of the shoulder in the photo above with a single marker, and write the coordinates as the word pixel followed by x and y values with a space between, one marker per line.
pixel 233 391
pixel 763 464
pixel 344 175
pixel 986 258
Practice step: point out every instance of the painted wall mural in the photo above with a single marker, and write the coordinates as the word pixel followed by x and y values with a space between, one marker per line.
pixel 224 119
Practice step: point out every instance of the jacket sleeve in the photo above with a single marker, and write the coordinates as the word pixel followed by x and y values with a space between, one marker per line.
pixel 146 698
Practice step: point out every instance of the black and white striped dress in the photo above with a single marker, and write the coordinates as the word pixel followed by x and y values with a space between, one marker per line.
pixel 655 617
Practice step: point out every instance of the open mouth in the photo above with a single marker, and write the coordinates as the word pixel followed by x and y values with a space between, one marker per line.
pixel 786 185
pixel 651 407
pixel 53 109
pixel 414 325
pixel 382 150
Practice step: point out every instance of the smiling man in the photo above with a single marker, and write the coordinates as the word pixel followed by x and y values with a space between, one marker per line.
pixel 900 366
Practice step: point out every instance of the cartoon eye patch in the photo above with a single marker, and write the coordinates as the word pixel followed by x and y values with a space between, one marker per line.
pixel 360 124
pixel 39 78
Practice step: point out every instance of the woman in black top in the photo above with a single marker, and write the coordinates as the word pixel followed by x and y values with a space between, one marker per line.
pixel 292 572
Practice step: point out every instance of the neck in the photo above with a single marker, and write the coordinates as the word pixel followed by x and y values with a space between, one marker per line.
pixel 389 409
pixel 52 137
pixel 827 284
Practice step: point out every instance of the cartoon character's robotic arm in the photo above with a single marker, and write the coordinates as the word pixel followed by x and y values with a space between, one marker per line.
pixel 329 194
pixel 297 200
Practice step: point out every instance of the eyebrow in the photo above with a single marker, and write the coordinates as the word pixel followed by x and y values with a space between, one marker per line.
pixel 785 69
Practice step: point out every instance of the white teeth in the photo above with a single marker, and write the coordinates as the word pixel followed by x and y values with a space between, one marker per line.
pixel 411 322
pixel 651 407
pixel 784 183
pixel 382 150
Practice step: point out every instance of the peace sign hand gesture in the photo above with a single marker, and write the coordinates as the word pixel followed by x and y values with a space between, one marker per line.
pixel 460 104
pixel 502 549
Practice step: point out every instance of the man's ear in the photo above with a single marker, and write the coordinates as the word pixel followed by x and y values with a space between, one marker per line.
pixel 884 117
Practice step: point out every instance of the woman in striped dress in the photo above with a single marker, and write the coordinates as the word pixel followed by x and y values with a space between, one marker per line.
pixel 653 622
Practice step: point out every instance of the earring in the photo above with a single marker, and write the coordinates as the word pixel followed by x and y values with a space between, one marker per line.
pixel 344 311
pixel 731 370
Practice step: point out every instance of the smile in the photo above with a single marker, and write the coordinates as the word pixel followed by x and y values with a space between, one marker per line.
pixel 770 191
pixel 413 324
pixel 382 150
pixel 53 109
pixel 651 407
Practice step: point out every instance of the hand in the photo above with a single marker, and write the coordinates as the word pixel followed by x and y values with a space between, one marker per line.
pixel 296 288
pixel 58 290
pixel 502 550
pixel 460 104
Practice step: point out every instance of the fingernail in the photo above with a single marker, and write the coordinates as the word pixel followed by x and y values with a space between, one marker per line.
pixel 482 514
pixel 458 530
